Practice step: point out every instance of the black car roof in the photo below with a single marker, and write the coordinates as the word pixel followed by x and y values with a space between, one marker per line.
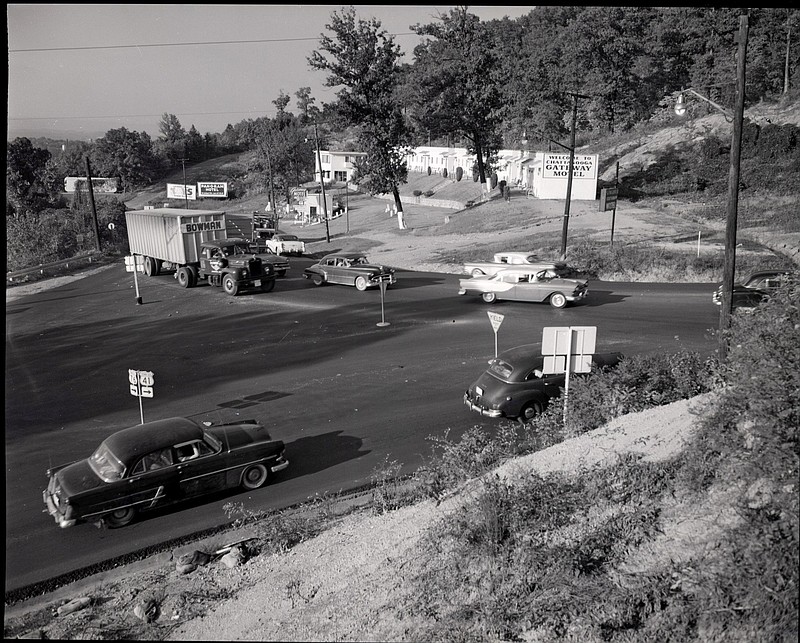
pixel 136 441
pixel 528 356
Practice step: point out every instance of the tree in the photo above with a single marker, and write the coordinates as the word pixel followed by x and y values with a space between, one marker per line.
pixel 305 103
pixel 455 80
pixel 29 185
pixel 363 59
pixel 127 155
pixel 172 143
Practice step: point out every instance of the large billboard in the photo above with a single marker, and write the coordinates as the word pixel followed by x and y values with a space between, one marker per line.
pixel 212 189
pixel 176 191
pixel 584 166
pixel 72 183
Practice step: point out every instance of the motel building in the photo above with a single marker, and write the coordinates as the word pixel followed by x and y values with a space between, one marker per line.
pixel 543 175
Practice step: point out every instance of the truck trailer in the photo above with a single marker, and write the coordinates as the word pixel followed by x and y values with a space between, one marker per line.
pixel 195 245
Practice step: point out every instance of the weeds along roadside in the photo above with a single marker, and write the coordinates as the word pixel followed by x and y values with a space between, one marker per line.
pixel 550 556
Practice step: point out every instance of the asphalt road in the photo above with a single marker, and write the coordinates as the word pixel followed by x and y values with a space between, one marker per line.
pixel 344 394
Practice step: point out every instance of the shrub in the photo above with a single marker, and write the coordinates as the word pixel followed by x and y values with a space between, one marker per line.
pixel 444 172
pixel 417 193
pixel 459 173
pixel 429 193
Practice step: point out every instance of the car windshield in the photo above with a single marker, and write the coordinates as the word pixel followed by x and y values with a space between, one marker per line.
pixel 360 260
pixel 287 237
pixel 105 464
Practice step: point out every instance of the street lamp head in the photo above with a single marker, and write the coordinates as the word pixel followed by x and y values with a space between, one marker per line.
pixel 680 105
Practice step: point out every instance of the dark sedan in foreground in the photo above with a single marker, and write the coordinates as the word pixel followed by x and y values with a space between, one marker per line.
pixel 158 463
pixel 514 386
pixel 350 269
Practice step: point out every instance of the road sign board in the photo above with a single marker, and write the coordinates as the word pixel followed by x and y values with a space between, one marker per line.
pixel 575 340
pixel 496 319
pixel 139 263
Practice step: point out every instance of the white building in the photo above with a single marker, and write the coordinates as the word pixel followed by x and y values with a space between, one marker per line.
pixel 338 167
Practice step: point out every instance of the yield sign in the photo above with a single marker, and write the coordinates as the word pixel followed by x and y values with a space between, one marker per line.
pixel 496 319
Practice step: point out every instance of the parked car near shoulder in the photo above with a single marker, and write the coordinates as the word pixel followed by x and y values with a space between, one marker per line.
pixel 350 269
pixel 158 463
pixel 286 244
pixel 503 260
pixel 514 386
pixel 526 284
pixel 753 290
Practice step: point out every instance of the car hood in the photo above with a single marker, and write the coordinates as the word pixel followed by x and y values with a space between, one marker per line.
pixel 77 478
pixel 371 267
pixel 234 436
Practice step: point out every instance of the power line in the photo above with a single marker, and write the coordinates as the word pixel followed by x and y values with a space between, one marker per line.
pixel 174 44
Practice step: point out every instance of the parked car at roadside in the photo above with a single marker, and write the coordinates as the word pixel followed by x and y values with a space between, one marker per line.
pixel 754 289
pixel 503 260
pixel 350 269
pixel 514 386
pixel 526 284
pixel 158 463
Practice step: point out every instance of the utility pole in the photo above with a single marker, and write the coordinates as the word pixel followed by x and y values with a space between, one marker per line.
pixel 565 227
pixel 322 186
pixel 185 193
pixel 733 192
pixel 90 187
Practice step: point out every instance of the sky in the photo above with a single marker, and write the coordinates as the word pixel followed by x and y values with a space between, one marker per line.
pixel 79 70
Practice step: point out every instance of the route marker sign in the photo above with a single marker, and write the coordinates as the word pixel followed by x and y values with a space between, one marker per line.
pixel 141 385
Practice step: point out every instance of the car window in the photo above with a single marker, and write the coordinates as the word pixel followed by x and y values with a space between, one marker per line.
pixel 154 461
pixel 105 464
pixel 192 450
pixel 501 368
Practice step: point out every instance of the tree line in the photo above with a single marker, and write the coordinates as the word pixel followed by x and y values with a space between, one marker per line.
pixel 488 84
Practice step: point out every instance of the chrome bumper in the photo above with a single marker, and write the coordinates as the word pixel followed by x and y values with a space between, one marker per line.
pixel 279 467
pixel 60 519
pixel 490 413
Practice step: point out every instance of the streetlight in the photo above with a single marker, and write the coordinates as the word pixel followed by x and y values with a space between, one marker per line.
pixel 726 308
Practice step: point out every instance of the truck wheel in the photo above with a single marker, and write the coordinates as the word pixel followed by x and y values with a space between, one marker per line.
pixel 254 476
pixel 151 267
pixel 267 286
pixel 230 286
pixel 193 276
pixel 185 277
pixel 557 300
pixel 361 283
pixel 489 297
pixel 119 518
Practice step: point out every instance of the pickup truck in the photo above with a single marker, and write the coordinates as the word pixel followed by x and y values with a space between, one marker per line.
pixel 504 260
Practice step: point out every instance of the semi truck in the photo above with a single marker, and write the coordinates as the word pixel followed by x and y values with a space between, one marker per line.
pixel 194 244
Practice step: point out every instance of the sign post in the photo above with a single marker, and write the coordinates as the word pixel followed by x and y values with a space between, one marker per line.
pixel 141 385
pixel 568 349
pixel 496 319
pixel 134 264
pixel 384 284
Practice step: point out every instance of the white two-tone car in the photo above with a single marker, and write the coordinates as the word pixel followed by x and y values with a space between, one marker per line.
pixel 519 284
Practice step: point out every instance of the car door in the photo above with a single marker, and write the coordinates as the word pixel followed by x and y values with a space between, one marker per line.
pixel 201 470
pixel 334 270
pixel 528 288
pixel 152 480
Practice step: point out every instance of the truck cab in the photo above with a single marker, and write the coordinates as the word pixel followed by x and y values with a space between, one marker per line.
pixel 231 264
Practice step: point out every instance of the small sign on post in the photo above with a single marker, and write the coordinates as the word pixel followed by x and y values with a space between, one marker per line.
pixel 134 264
pixel 384 284
pixel 141 385
pixel 496 319
pixel 568 349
